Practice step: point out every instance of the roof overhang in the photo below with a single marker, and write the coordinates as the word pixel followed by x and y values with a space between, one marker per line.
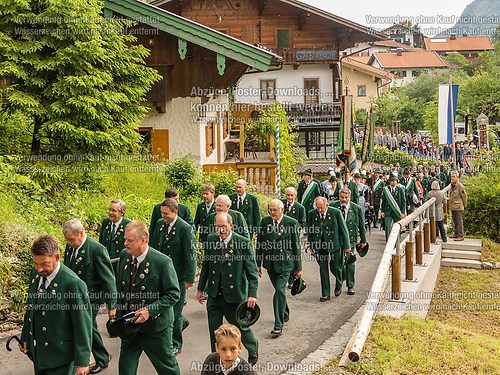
pixel 189 31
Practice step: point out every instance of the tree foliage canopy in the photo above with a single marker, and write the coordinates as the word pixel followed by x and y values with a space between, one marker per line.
pixel 77 82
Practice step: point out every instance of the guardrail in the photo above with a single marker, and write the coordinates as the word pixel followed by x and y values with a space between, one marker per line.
pixel 391 259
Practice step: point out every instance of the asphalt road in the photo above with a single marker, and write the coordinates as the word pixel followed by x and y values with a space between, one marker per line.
pixel 311 322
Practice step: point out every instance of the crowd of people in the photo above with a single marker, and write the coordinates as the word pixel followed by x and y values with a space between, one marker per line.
pixel 421 146
pixel 142 273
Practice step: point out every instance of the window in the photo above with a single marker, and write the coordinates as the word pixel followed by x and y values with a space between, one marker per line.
pixel 415 73
pixel 311 90
pixel 403 73
pixel 283 38
pixel 361 90
pixel 267 87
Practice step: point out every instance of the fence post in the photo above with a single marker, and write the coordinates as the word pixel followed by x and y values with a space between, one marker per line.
pixel 427 238
pixel 418 245
pixel 433 229
pixel 396 277
pixel 409 260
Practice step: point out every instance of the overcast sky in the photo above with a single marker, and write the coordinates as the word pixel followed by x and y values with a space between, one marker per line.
pixel 432 15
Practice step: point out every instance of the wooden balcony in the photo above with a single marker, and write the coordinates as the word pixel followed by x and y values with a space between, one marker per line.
pixel 297 56
pixel 321 114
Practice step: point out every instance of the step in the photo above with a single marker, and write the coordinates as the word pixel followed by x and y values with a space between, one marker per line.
pixel 464 263
pixel 461 254
pixel 470 244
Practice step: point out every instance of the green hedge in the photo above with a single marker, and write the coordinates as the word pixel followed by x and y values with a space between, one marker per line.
pixel 482 215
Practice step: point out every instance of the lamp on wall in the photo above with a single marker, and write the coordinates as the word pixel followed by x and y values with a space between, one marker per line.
pixel 151 41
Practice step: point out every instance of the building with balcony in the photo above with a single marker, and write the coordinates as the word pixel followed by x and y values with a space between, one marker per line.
pixel 468 46
pixel 309 84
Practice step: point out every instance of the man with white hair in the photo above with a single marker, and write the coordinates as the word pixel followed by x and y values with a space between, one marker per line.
pixel 328 240
pixel 278 251
pixel 248 205
pixel 90 261
pixel 222 204
pixel 112 234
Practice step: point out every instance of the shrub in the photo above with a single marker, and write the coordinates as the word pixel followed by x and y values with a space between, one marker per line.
pixel 224 181
pixel 483 206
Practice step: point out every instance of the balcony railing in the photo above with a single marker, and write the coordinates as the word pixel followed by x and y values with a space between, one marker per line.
pixel 314 114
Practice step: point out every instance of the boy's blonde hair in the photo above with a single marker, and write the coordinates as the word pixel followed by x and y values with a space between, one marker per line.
pixel 228 330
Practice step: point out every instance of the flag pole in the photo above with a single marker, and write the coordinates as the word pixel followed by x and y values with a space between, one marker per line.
pixel 452 109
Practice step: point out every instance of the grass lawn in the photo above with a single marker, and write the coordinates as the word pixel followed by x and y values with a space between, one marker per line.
pixel 461 334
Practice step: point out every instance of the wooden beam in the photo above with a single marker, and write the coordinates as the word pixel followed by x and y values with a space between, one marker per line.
pixel 301 21
pixel 262 4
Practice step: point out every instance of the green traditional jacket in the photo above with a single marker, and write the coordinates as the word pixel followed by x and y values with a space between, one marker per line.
pixel 155 287
pixel 400 198
pixel 297 212
pixel 279 248
pixel 113 242
pixel 201 220
pixel 331 234
pixel 307 200
pixel 239 224
pixel 249 209
pixel 182 211
pixel 59 319
pixel 231 270
pixel 93 266
pixel 355 222
pixel 180 245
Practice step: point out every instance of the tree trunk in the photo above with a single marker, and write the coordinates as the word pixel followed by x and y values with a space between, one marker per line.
pixel 35 142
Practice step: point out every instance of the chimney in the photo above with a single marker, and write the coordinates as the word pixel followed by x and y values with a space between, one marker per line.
pixel 399 51
pixel 453 36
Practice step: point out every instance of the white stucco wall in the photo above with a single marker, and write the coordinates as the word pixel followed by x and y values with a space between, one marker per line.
pixel 186 129
pixel 289 84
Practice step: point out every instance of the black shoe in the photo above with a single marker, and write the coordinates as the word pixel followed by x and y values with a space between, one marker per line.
pixel 185 324
pixel 350 291
pixel 375 225
pixel 97 369
pixel 338 292
pixel 177 351
pixel 324 299
pixel 252 359
pixel 289 286
pixel 276 332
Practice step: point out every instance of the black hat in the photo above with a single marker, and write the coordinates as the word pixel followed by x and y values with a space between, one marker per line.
pixel 332 179
pixel 350 258
pixel 125 327
pixel 246 316
pixel 298 286
pixel 362 250
pixel 307 172
pixel 393 177
pixel 406 171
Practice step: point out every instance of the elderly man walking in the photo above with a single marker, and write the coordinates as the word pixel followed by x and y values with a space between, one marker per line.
pixel 458 202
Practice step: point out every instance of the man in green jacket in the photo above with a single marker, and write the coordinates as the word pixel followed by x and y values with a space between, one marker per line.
pixel 328 241
pixel 278 251
pixel 296 211
pixel 228 277
pixel 293 208
pixel 58 314
pixel 307 190
pixel 222 204
pixel 412 194
pixel 203 212
pixel 176 239
pixel 353 217
pixel 184 212
pixel 393 204
pixel 90 261
pixel 112 234
pixel 147 285
pixel 248 205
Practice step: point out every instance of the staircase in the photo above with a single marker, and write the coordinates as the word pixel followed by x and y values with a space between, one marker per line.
pixel 466 254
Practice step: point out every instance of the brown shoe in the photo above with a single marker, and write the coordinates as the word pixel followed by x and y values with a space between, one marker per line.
pixel 458 239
